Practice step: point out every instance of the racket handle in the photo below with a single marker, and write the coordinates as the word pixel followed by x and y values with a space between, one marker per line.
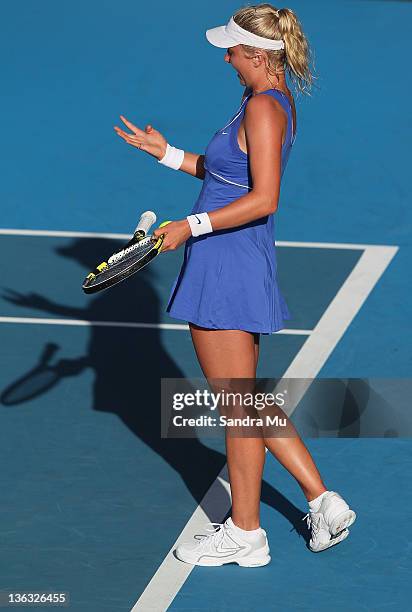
pixel 146 221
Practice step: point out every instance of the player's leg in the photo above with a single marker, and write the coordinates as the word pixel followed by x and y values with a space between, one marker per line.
pixel 292 453
pixel 233 354
pixel 329 515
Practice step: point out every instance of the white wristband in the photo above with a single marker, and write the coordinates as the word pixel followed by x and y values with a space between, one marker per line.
pixel 173 157
pixel 200 224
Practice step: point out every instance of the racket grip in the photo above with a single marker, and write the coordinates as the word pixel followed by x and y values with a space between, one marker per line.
pixel 146 221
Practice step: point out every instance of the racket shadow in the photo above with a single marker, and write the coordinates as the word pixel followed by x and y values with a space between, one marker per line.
pixel 128 365
pixel 42 378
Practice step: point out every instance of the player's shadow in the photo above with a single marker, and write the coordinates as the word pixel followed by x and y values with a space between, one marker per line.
pixel 128 365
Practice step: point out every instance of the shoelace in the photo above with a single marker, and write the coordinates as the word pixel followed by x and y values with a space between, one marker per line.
pixel 311 522
pixel 216 533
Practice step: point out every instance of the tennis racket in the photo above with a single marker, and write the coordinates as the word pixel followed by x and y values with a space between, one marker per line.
pixel 131 258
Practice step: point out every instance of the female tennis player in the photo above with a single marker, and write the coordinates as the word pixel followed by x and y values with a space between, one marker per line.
pixel 227 287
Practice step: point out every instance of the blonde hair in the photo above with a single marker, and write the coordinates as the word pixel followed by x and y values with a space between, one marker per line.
pixel 268 21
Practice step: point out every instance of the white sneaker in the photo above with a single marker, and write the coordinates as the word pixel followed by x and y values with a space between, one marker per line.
pixel 329 525
pixel 224 545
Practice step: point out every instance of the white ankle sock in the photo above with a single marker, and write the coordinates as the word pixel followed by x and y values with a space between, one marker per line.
pixel 314 504
pixel 245 534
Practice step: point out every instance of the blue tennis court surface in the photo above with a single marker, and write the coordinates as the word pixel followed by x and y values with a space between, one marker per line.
pixel 93 500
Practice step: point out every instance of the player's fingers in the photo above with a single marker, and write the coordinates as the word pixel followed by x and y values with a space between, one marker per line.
pixel 158 232
pixel 166 246
pixel 124 134
pixel 131 126
pixel 132 140
pixel 138 145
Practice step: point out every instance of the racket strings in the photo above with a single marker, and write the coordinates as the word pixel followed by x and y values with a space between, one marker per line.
pixel 141 245
pixel 123 263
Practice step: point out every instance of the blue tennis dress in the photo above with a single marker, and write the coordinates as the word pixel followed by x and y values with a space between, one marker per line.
pixel 228 278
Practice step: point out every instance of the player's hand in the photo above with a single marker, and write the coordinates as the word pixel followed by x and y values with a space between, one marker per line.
pixel 176 233
pixel 149 140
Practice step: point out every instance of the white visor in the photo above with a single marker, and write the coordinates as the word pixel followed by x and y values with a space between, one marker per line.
pixel 232 34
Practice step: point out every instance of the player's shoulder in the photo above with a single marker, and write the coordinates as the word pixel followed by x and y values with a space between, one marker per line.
pixel 263 105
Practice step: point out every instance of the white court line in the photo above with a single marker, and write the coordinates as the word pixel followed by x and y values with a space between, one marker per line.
pixel 331 245
pixel 60 234
pixel 132 324
pixel 282 243
pixel 172 574
pixel 83 322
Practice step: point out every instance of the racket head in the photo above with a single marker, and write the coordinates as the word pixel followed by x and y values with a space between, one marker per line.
pixel 109 274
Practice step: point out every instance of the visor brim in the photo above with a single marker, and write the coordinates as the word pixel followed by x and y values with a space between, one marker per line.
pixel 218 38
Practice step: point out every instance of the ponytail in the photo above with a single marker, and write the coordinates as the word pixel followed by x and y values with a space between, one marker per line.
pixel 269 22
